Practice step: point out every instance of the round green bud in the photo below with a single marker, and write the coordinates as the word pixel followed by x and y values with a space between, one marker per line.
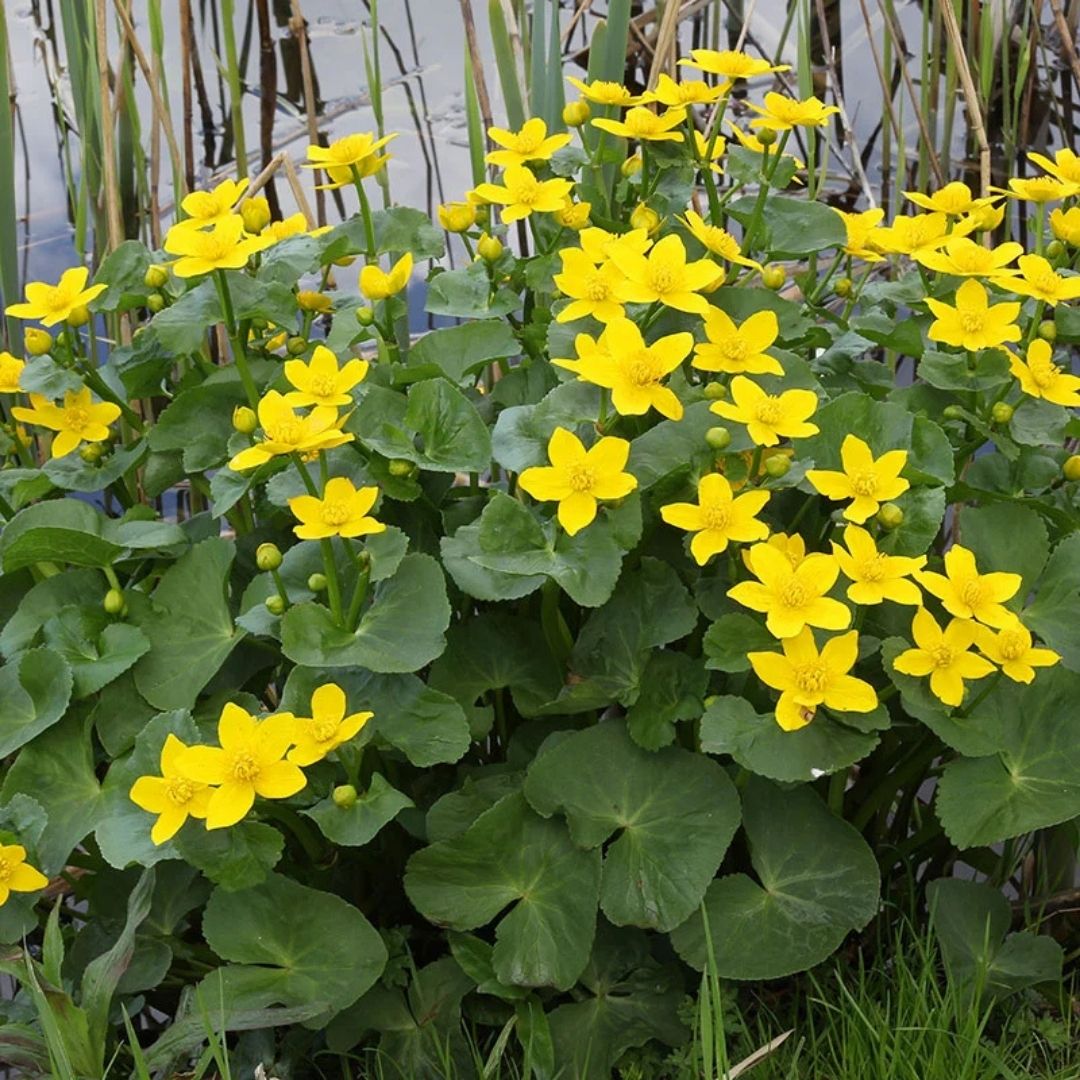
pixel 37 342
pixel 79 316
pixel 155 277
pixel 92 452
pixel 1071 469
pixel 952 412
pixel 244 419
pixel 576 113
pixel 317 582
pixel 489 248
pixel 268 556
pixel 259 323
pixel 843 287
pixel 275 604
pixel 296 346
pixel 1002 412
pixel 711 700
pixel 773 276
pixel 401 467
pixel 1048 330
pixel 714 391
pixel 890 516
pixel 718 438
pixel 1055 249
pixel 344 796
pixel 155 302
pixel 766 136
pixel 113 602
pixel 365 316
pixel 632 166
pixel 777 465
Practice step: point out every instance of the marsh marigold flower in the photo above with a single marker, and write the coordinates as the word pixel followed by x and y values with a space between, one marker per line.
pixel 718 517
pixel 644 125
pixel 738 348
pixel 1065 225
pixel 600 92
pixel 1014 651
pixel 573 215
pixel 531 143
pixel 249 761
pixel 359 151
pixel 664 275
pixel 206 208
pixel 1042 189
pixel 286 432
pixel 255 213
pixel 791 597
pixel 867 481
pixel 1039 280
pixel 962 257
pixel 223 247
pixel 966 593
pixel 861 231
pixel 954 199
pixel 769 417
pixel 876 576
pixel 321 381
pixel 807 678
pixel 1042 378
pixel 51 304
pixel 599 244
pixel 11 369
pixel 716 241
pixel 457 217
pixel 327 728
pixel 592 289
pixel 908 235
pixel 171 796
pixel 342 511
pixel 378 284
pixel 577 478
pixel 944 655
pixel 1065 165
pixel 521 193
pixel 80 419
pixel 294 225
pixel 632 370
pixel 16 874
pixel 974 323
pixel 677 95
pixel 730 64
pixel 783 113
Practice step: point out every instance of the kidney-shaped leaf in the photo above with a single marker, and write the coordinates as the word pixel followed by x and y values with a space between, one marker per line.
pixel 35 689
pixel 61 531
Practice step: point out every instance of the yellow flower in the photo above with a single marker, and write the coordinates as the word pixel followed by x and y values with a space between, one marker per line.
pixel 738 349
pixel 1064 167
pixel 1042 378
pixel 577 477
pixel 701 149
pixel 377 284
pixel 716 241
pixel 51 304
pixel 718 517
pixel 769 417
pixel 632 370
pixel 207 208
pixel 678 94
pixel 974 323
pixel 457 217
pixel 599 244
pixel 224 247
pixel 644 125
pixel 1012 649
pixel 954 199
pixel 317 302
pixel 342 511
pixel 255 213
pixel 603 93
pixel 907 235
pixel 664 275
pixel 286 432
pixel 293 225
pixel 531 143
pixel 322 382
pixel 327 727
pixel 983 218
pixel 807 678
pixel 1042 189
pixel 16 874
pixel 78 420
pixel 172 796
pixel 573 215
pixel 875 576
pixel 750 141
pixel 341 155
pixel 11 368
pixel 783 113
pixel 791 596
pixel 593 289
pixel 792 547
pixel 1065 225
pixel 522 194
pixel 964 258
pixel 1039 280
pixel 966 593
pixel 862 230
pixel 866 481
pixel 730 64
pixel 250 761
pixel 943 655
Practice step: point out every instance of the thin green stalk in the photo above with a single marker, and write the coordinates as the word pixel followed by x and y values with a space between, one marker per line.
pixel 232 74
pixel 239 352
pixel 365 213
pixel 333 581
pixel 363 570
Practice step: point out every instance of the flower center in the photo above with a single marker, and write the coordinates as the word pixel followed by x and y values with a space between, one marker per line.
pixel 608 93
pixel 864 483
pixel 812 678
pixel 289 432
pixel 768 412
pixel 662 278
pixel 526 191
pixel 974 261
pixel 972 322
pixel 1045 281
pixel 734 349
pixel 323 730
pixel 580 477
pixel 641 370
pixel 716 517
pixel 55 299
pixel 973 594
pixel 244 767
pixel 349 149
pixel 324 386
pixel 526 144
pixel 1044 373
pixel 5 869
pixel 794 594
pixel 76 419
pixel 942 656
pixel 873 569
pixel 180 791
pixel 1013 644
pixel 596 288
pixel 334 513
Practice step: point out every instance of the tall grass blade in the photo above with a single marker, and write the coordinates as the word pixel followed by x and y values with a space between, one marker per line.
pixel 9 253
pixel 506 65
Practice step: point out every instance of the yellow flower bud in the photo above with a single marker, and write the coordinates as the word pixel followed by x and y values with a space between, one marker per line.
pixel 256 214
pixel 268 556
pixel 576 113
pixel 156 277
pixel 631 166
pixel 644 217
pixel 79 316
pixel 318 302
pixel 1071 469
pixel 457 217
pixel 489 247
pixel 37 342
pixel 573 215
pixel 244 419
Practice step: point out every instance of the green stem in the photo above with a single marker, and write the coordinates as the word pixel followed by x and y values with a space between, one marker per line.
pixel 360 590
pixel 768 170
pixel 365 213
pixel 333 582
pixel 239 352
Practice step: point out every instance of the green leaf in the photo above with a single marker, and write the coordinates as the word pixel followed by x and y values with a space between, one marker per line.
pixel 740 302
pixel 467 294
pixel 457 351
pixel 361 822
pixel 673 687
pixel 81 588
pixel 71 473
pixel 678 446
pixel 1038 423
pixel 972 921
pixel 459 553
pixel 438 428
pixel 1052 614
pixel 96 649
pixel 66 531
pixel 401 228
pixel 675 813
pixel 198 422
pixel 181 328
pixel 521 434
pixel 122 272
pixel 1033 781
pixel 401 630
pixel 289 945
pixel 791 227
pixel 237 858
pixel 510 856
pixel 924 511
pixel 818 882
pixel 954 371
pixel 190 628
pixel 57 769
pixel 35 689
pixel 1007 536
pixel 730 638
